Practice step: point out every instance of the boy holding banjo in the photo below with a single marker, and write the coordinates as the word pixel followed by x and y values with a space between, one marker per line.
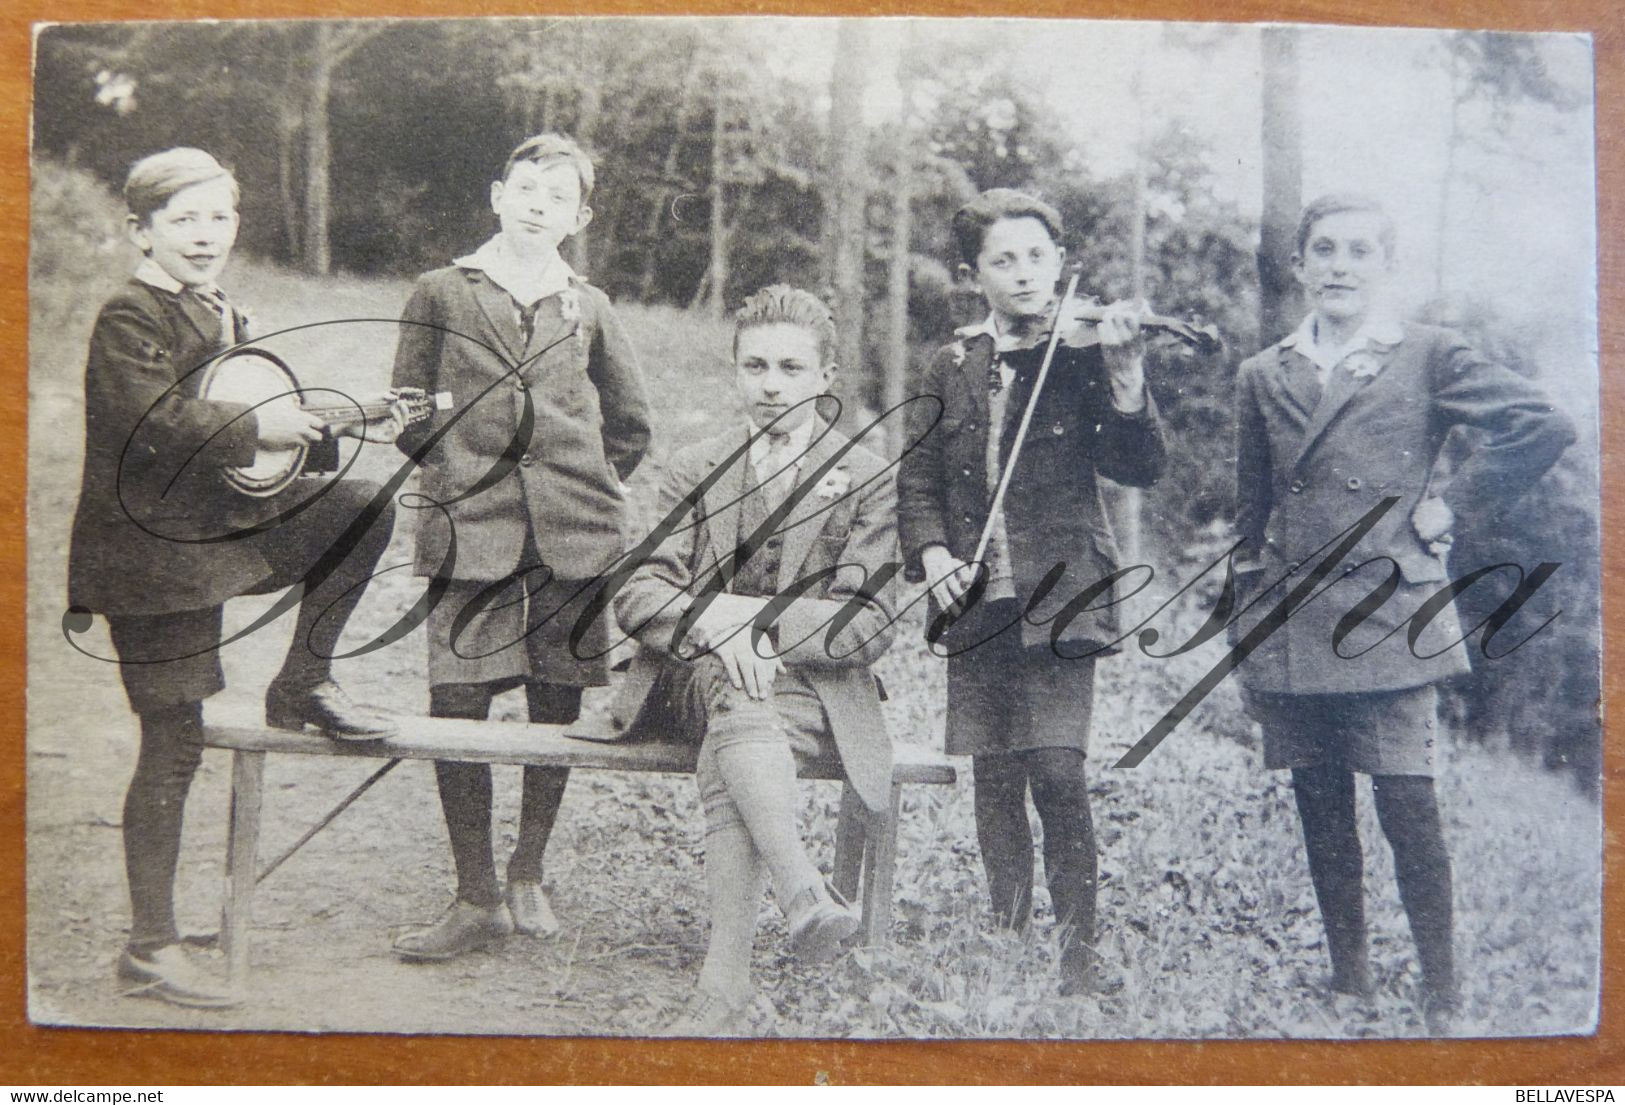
pixel 162 538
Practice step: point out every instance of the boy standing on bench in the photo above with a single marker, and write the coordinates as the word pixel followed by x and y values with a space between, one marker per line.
pixel 549 416
pixel 780 504
pixel 161 541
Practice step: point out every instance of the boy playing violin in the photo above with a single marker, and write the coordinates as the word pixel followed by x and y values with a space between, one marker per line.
pixel 1020 660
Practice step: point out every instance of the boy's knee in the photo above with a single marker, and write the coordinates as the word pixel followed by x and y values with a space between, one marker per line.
pixel 1055 765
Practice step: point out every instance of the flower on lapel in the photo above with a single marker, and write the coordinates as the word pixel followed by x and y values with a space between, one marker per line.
pixel 1363 364
pixel 569 305
pixel 834 484
pixel 958 349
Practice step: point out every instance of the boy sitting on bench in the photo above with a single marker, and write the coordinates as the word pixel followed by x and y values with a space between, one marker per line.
pixel 783 504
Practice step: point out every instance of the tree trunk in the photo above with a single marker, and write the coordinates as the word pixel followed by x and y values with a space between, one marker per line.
pixel 1126 503
pixel 896 383
pixel 1445 177
pixel 590 247
pixel 319 152
pixel 717 278
pixel 662 195
pixel 848 192
pixel 1278 302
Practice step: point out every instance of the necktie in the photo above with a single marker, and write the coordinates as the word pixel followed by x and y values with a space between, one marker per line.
pixel 527 320
pixel 215 300
pixel 775 483
pixel 1314 382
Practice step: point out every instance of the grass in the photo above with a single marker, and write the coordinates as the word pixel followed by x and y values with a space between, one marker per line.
pixel 1205 901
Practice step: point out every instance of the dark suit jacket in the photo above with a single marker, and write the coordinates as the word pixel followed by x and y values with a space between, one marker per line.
pixel 152 482
pixel 854 529
pixel 560 479
pixel 1305 472
pixel 1053 509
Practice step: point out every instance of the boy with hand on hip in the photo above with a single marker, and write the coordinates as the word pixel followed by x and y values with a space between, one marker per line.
pixel 1021 661
pixel 161 540
pixel 1349 410
pixel 781 504
pixel 548 418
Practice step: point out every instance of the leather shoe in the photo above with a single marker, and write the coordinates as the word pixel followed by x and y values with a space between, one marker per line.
pixel 532 913
pixel 820 921
pixel 168 974
pixel 328 708
pixel 709 1014
pixel 463 928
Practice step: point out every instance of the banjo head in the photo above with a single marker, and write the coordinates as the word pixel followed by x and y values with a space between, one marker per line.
pixel 260 380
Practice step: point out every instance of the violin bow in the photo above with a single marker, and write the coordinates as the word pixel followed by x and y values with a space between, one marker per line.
pixel 1026 421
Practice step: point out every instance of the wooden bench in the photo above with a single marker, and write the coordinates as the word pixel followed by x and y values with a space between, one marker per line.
pixel 865 841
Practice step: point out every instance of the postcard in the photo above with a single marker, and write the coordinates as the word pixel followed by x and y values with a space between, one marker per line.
pixel 789 527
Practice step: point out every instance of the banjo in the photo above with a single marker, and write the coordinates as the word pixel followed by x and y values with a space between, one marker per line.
pixel 260 378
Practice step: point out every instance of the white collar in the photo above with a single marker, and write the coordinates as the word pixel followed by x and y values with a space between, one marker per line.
pixel 1379 330
pixel 797 439
pixel 151 273
pixel 989 327
pixel 518 279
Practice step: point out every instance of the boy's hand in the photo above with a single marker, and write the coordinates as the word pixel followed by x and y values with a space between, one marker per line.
pixel 287 426
pixel 724 628
pixel 724 616
pixel 748 671
pixel 1123 346
pixel 379 431
pixel 1432 520
pixel 950 576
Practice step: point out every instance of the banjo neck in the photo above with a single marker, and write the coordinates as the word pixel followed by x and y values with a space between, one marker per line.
pixel 351 413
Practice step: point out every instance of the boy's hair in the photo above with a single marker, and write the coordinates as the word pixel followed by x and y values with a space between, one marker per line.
pixel 780 303
pixel 1338 203
pixel 550 147
pixel 971 222
pixel 156 178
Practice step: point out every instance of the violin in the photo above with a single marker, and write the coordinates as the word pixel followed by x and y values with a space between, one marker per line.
pixel 1077 319
pixel 1081 313
pixel 1088 310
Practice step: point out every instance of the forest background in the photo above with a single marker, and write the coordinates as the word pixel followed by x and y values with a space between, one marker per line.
pixel 831 154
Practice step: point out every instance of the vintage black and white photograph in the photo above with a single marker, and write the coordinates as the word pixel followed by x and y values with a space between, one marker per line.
pixel 790 527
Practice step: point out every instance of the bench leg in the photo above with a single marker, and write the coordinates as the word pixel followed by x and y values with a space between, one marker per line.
pixel 881 852
pixel 242 860
pixel 849 841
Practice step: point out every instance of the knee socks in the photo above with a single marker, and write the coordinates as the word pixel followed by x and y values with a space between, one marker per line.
pixel 465 791
pixel 1408 811
pixel 171 749
pixel 1056 777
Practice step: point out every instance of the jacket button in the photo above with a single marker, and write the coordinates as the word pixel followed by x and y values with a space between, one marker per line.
pixel 1354 483
pixel 1295 486
pixel 965 471
pixel 967 519
pixel 971 426
pixel 1058 429
pixel 526 461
